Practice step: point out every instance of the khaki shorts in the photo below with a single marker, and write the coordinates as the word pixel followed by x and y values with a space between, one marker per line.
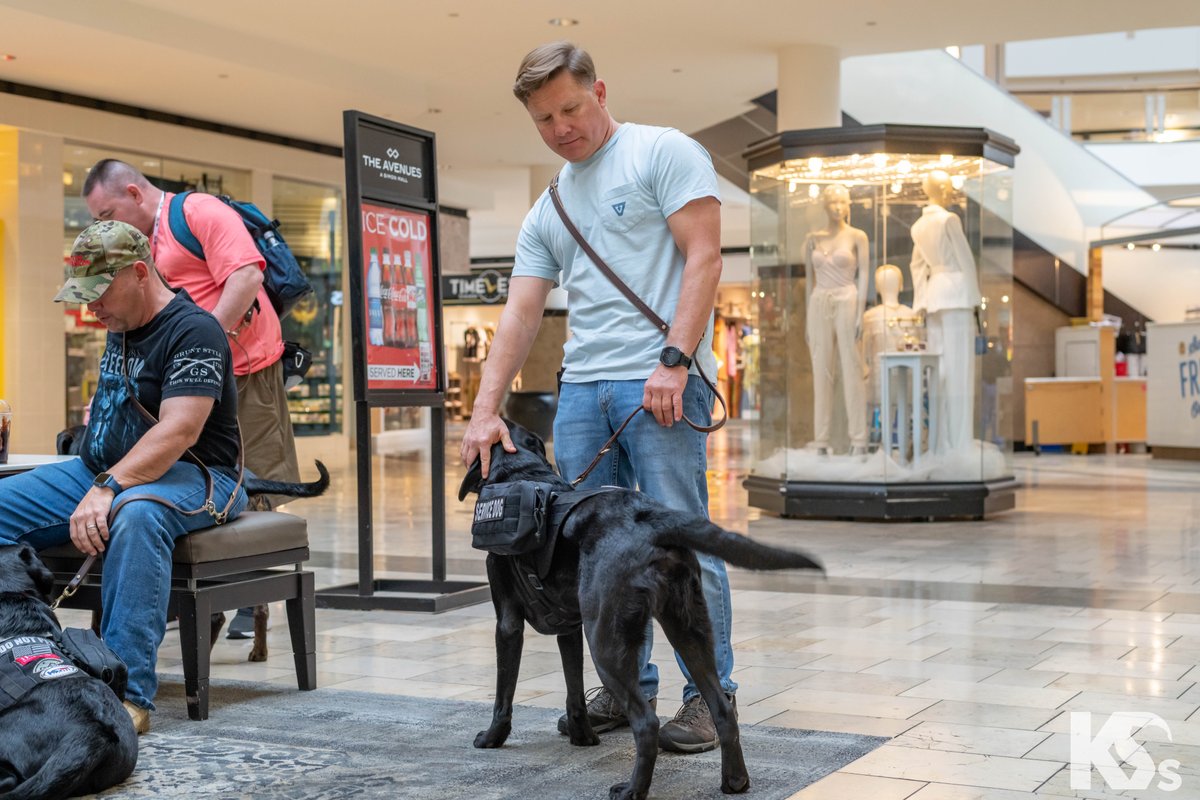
pixel 266 427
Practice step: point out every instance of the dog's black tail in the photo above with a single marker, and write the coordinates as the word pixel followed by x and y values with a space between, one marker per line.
pixel 705 537
pixel 313 489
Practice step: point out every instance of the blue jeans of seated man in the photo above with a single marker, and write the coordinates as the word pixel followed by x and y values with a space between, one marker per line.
pixel 136 582
pixel 668 464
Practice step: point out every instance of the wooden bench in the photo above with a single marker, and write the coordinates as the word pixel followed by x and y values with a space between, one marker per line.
pixel 257 558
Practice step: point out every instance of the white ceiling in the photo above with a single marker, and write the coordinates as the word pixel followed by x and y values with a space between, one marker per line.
pixel 291 68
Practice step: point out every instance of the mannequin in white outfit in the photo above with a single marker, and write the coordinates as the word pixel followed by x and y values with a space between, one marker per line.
pixel 886 325
pixel 835 292
pixel 946 288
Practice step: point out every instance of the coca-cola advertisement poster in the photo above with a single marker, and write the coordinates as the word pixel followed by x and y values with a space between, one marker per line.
pixel 397 281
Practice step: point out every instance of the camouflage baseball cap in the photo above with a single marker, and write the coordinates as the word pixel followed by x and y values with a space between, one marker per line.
pixel 99 253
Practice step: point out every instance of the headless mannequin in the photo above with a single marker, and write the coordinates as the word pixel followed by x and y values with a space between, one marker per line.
pixel 885 325
pixel 835 291
pixel 946 288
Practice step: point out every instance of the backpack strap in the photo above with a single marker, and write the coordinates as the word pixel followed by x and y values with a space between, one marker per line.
pixel 180 229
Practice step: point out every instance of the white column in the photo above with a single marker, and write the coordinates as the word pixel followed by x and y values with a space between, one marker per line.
pixel 32 330
pixel 809 87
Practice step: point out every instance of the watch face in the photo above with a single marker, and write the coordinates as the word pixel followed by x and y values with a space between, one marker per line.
pixel 670 356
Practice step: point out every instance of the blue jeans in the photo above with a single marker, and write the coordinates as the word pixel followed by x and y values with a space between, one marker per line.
pixel 136 582
pixel 668 464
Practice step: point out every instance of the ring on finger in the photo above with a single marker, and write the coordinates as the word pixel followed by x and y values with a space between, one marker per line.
pixel 91 526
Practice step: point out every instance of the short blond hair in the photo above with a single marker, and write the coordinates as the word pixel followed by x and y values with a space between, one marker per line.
pixel 543 64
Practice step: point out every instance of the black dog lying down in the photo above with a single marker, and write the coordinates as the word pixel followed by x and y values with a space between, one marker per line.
pixel 69 734
pixel 621 558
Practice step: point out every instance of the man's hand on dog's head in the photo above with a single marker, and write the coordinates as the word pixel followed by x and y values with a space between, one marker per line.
pixel 483 431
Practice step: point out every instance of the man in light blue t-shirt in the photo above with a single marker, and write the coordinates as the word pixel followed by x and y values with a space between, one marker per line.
pixel 646 201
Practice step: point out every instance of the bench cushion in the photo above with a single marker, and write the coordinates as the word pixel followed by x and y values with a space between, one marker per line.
pixel 253 533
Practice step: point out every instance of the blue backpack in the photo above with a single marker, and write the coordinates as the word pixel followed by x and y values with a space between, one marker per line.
pixel 283 279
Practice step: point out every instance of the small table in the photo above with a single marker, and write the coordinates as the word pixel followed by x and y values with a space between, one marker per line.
pixel 18 462
pixel 911 363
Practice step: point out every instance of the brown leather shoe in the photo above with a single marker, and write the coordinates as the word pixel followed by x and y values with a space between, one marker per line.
pixel 139 715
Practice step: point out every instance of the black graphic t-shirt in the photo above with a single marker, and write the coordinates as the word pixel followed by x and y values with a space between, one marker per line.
pixel 182 352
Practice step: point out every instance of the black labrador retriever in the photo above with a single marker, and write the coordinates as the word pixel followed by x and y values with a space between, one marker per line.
pixel 621 558
pixel 68 734
pixel 69 442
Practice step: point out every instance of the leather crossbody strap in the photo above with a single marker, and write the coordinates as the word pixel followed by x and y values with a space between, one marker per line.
pixel 649 314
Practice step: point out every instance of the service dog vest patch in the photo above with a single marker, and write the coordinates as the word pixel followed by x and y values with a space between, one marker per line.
pixel 28 661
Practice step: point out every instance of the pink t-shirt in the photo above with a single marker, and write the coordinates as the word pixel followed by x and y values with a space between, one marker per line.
pixel 227 248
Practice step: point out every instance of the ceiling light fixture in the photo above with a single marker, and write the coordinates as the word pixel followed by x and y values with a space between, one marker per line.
pixel 1156 247
pixel 564 22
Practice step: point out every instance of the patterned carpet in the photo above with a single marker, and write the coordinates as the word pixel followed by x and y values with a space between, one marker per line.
pixel 263 741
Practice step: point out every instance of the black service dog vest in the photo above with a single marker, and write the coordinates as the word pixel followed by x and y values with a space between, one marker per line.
pixel 523 521
pixel 26 662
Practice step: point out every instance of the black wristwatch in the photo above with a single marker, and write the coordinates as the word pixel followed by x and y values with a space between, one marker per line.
pixel 674 357
pixel 106 481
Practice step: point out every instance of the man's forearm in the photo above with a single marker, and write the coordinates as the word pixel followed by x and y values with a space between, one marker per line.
pixel 237 295
pixel 155 453
pixel 697 295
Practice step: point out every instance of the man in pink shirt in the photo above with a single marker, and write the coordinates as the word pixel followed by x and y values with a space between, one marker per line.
pixel 226 283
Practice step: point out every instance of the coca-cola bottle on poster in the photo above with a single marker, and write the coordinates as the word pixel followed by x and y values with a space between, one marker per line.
pixel 398 299
pixel 374 304
pixel 410 298
pixel 387 301
pixel 424 350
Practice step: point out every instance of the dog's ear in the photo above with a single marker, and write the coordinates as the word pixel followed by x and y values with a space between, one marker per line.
pixel 524 438
pixel 43 579
pixel 472 481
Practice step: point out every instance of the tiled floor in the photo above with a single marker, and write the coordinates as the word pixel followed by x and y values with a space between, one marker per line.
pixel 968 642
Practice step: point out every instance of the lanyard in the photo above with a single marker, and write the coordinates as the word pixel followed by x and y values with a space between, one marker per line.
pixel 154 231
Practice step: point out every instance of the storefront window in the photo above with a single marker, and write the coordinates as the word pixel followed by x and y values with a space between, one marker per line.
pixel 310 219
pixel 85 335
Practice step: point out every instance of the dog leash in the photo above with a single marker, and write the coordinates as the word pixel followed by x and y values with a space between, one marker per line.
pixel 648 313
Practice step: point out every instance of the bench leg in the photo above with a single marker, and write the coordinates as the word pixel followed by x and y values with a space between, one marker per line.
pixel 302 625
pixel 195 639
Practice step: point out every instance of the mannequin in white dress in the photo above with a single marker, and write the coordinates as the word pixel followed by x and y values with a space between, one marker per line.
pixel 946 288
pixel 835 292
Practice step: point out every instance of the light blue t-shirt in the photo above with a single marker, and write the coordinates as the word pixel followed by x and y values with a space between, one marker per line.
pixel 619 199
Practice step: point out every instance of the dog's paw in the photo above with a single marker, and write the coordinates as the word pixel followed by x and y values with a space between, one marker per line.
pixel 587 738
pixel 622 791
pixel 257 653
pixel 492 737
pixel 735 784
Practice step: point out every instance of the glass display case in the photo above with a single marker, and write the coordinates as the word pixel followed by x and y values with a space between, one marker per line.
pixel 882 262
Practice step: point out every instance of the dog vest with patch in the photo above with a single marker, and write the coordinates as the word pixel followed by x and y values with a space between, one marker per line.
pixel 26 662
pixel 550 612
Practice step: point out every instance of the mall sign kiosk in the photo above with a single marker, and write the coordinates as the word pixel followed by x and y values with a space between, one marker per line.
pixel 396 336
pixel 882 263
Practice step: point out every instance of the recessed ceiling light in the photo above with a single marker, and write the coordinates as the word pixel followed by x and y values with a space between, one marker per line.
pixel 870 23
pixel 676 70
pixel 434 110
pixel 452 14
pixel 223 75
pixel 563 22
